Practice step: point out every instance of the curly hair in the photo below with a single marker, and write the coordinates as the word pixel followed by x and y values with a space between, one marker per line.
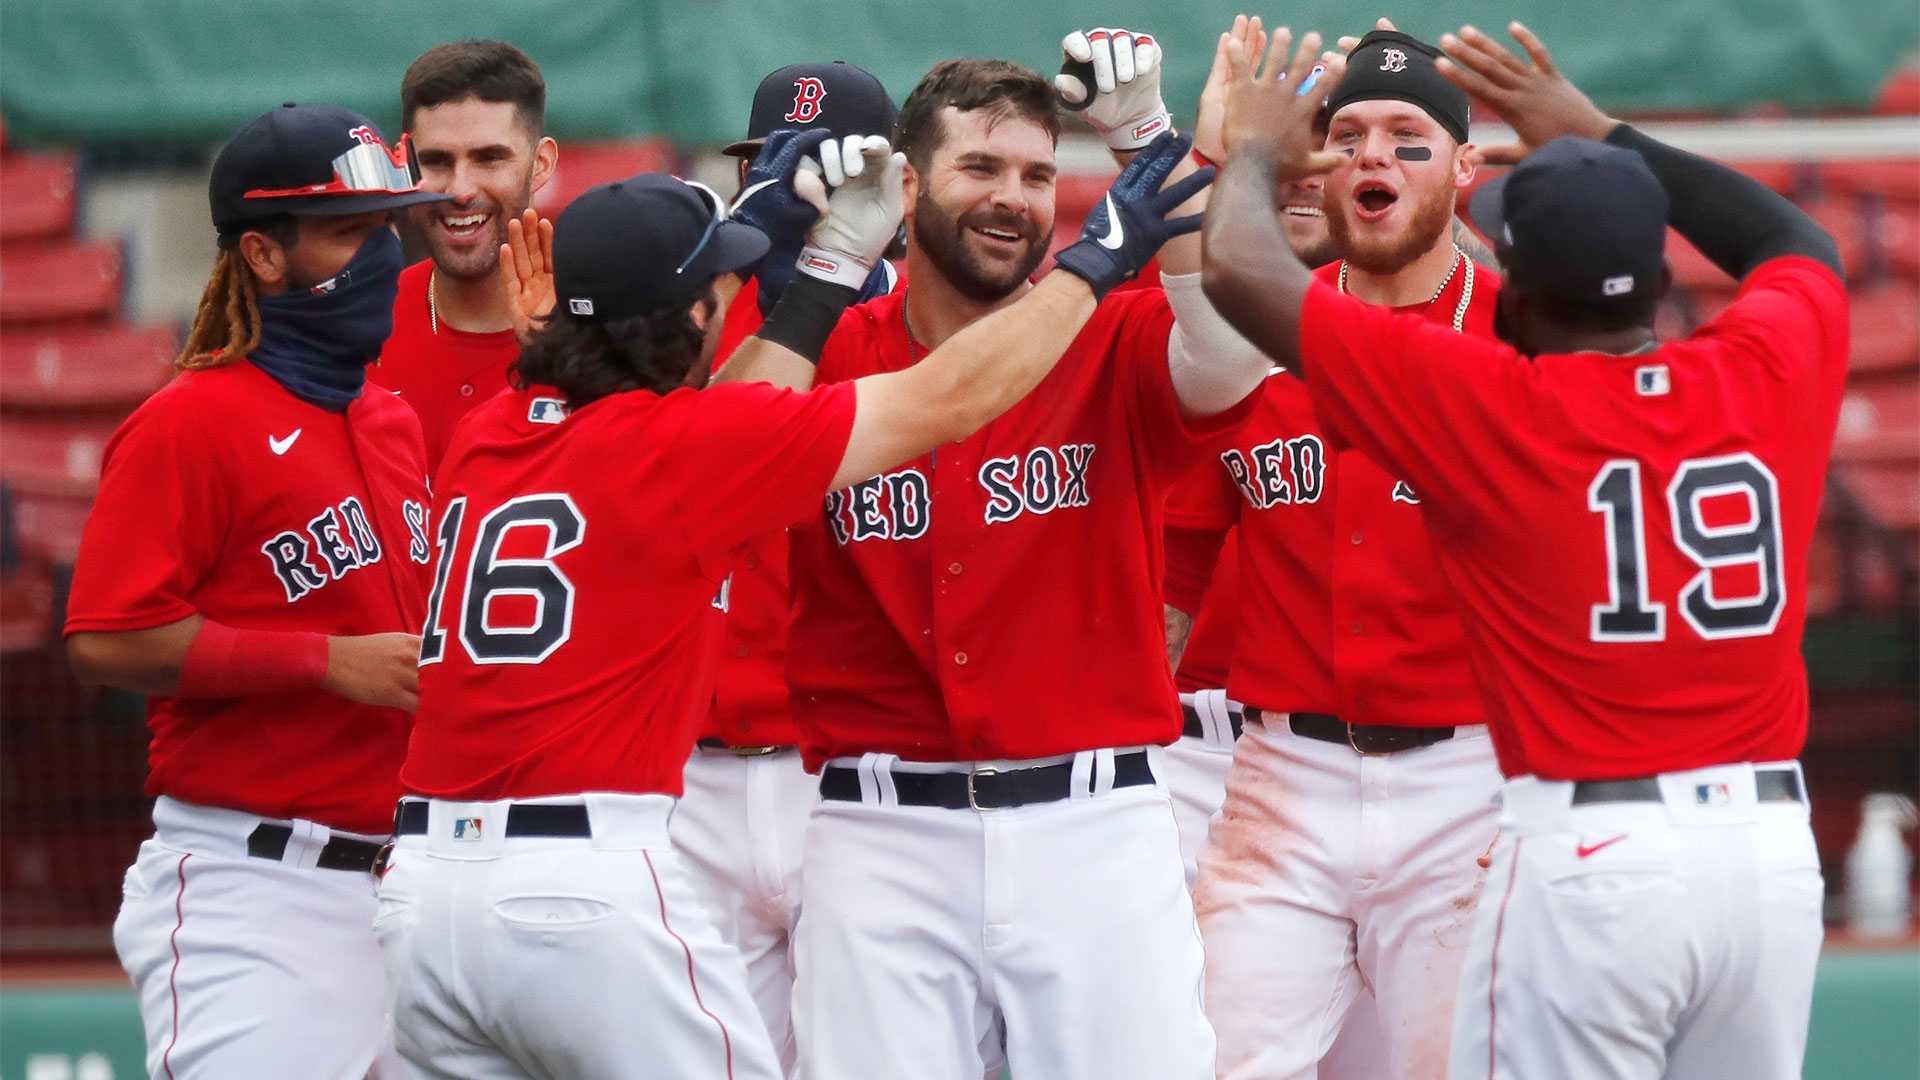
pixel 586 360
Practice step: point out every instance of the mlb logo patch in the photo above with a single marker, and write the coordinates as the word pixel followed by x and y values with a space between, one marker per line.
pixel 1619 285
pixel 1652 381
pixel 580 305
pixel 546 410
pixel 1712 795
pixel 466 828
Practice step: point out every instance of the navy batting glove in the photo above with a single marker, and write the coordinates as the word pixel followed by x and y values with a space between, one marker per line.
pixel 1127 228
pixel 768 203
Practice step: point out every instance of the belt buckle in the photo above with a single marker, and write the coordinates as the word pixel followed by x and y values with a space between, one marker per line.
pixel 973 799
pixel 1364 753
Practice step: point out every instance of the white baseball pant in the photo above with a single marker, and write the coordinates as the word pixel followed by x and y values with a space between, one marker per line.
pixel 1329 873
pixel 740 829
pixel 1062 931
pixel 245 964
pixel 1639 940
pixel 559 956
pixel 1196 779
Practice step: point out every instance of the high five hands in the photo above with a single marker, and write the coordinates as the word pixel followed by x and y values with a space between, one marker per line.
pixel 1270 113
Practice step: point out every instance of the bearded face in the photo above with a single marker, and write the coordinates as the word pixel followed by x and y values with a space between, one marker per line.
pixel 1393 200
pixel 983 214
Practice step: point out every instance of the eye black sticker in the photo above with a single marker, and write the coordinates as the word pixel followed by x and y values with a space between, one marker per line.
pixel 1413 153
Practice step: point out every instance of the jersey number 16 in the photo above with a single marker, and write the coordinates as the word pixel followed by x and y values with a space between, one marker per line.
pixel 1629 614
pixel 488 576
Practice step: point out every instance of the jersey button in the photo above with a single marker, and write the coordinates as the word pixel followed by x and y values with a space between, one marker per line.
pixel 739 651
pixel 466 390
pixel 1356 539
pixel 954 568
pixel 960 658
pixel 1356 628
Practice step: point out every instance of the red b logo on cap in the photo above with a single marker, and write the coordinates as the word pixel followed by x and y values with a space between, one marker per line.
pixel 363 134
pixel 807 92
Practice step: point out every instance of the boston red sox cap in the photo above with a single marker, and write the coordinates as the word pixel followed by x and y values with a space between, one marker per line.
pixel 838 96
pixel 1585 221
pixel 1389 65
pixel 642 244
pixel 310 161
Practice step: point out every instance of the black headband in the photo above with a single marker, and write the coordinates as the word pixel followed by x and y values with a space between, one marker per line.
pixel 1391 66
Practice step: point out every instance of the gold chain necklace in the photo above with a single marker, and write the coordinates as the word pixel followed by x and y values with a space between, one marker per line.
pixel 1466 288
pixel 433 309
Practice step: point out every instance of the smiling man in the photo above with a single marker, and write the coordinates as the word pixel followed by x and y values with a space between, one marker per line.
pixel 1360 800
pixel 476 113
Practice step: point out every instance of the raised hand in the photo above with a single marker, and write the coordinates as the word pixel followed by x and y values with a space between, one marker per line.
pixel 768 202
pixel 1534 97
pixel 1112 77
pixel 526 272
pixel 1128 227
pixel 1212 116
pixel 857 187
pixel 1272 113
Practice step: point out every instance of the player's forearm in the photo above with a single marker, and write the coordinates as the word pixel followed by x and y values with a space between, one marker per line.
pixel 789 343
pixel 1179 628
pixel 1250 272
pixel 760 360
pixel 1213 368
pixel 994 362
pixel 1733 219
pixel 143 661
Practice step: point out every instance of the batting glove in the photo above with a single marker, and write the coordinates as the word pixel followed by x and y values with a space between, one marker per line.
pixel 1114 76
pixel 1128 227
pixel 857 186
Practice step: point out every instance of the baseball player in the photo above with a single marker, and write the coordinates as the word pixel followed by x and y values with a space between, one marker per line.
pixel 741 822
pixel 476 113
pixel 535 917
pixel 1625 525
pixel 1346 858
pixel 993 862
pixel 254 563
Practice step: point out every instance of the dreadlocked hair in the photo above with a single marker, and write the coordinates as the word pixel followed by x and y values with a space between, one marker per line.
pixel 226 326
pixel 586 361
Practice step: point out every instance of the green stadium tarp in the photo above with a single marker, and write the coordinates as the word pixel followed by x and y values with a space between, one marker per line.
pixel 174 71
pixel 1864 1005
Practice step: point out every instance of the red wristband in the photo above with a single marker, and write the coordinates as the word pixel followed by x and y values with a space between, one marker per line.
pixel 226 662
pixel 1203 160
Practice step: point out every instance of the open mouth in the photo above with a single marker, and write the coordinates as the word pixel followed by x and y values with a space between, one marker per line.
pixel 1373 199
pixel 465 226
pixel 999 237
pixel 1302 210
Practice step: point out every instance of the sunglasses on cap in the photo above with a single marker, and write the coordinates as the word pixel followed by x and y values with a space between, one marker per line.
pixel 718 206
pixel 369 168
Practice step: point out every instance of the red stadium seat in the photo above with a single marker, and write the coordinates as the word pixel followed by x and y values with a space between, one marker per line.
pixel 59 281
pixel 1692 270
pixel 85 367
pixel 1880 421
pixel 1901 94
pixel 1886 329
pixel 1896 180
pixel 1889 492
pixel 36 196
pixel 48 526
pixel 1899 239
pixel 583 165
pixel 53 455
pixel 26 607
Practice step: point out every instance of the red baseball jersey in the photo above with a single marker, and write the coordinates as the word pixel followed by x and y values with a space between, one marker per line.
pixel 443 373
pixel 1000 598
pixel 1209 655
pixel 572 642
pixel 227 497
pixel 1627 535
pixel 1344 609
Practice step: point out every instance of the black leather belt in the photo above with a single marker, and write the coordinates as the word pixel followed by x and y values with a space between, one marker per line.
pixel 1361 738
pixel 523 819
pixel 984 789
pixel 1769 785
pixel 1235 718
pixel 340 853
pixel 724 747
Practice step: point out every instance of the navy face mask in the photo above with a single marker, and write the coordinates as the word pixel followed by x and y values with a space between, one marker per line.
pixel 318 342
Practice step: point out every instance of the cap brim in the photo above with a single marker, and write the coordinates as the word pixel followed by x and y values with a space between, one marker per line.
pixel 734 247
pixel 1487 208
pixel 342 205
pixel 746 148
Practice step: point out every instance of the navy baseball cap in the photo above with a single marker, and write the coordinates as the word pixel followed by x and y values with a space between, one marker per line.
pixel 1585 221
pixel 1388 65
pixel 838 96
pixel 642 244
pixel 310 161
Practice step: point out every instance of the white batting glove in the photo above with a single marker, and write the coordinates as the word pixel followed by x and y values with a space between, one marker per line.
pixel 1126 108
pixel 857 185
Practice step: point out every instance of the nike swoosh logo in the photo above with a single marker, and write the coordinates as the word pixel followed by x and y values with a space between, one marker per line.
pixel 741 199
pixel 1582 850
pixel 1116 232
pixel 281 446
